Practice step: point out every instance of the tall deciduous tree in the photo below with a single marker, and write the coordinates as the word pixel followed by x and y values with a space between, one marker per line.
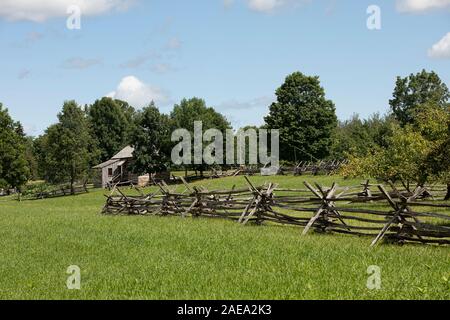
pixel 112 125
pixel 151 141
pixel 416 90
pixel 305 118
pixel 187 112
pixel 14 167
pixel 69 150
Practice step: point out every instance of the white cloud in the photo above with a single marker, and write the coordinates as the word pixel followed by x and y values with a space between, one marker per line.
pixel 441 50
pixel 42 10
pixel 30 129
pixel 268 6
pixel 265 5
pixel 418 6
pixel 137 93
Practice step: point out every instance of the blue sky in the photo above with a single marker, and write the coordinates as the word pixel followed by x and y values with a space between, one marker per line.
pixel 234 54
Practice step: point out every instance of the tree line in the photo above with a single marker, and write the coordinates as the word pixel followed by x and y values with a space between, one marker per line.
pixel 410 143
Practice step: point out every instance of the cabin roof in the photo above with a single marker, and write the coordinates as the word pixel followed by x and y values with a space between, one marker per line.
pixel 125 153
pixel 109 163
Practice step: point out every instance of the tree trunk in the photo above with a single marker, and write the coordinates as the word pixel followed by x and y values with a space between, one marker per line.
pixel 447 196
pixel 72 186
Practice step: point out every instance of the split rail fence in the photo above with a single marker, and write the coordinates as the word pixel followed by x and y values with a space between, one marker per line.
pixel 314 168
pixel 60 191
pixel 410 214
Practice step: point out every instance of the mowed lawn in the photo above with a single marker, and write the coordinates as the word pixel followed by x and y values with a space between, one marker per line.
pixel 173 258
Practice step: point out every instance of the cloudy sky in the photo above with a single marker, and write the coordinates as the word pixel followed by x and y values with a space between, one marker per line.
pixel 232 53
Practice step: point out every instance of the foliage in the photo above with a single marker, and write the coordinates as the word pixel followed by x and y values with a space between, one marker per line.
pixel 359 136
pixel 151 141
pixel 413 152
pixel 305 118
pixel 112 125
pixel 67 149
pixel 40 146
pixel 36 187
pixel 438 161
pixel 189 111
pixel 433 122
pixel 416 90
pixel 30 155
pixel 14 166
pixel 402 160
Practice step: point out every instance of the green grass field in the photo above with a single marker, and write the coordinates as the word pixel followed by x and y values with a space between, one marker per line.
pixel 173 258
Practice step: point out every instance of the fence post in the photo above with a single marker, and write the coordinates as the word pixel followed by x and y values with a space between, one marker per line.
pixel 326 208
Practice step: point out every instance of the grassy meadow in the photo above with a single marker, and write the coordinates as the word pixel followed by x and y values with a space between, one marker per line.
pixel 128 257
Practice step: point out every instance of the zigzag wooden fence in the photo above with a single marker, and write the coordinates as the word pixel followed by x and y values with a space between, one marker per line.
pixel 327 167
pixel 398 215
pixel 60 191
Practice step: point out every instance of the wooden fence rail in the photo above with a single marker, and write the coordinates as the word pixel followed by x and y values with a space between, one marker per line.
pixel 398 215
pixel 58 191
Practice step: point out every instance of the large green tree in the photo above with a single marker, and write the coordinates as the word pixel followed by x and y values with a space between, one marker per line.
pixel 14 167
pixel 412 92
pixel 188 111
pixel 151 141
pixel 305 118
pixel 112 125
pixel 68 148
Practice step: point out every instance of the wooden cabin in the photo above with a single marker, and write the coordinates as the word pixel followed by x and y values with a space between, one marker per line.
pixel 115 170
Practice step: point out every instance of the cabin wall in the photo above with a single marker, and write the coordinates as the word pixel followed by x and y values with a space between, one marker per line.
pixel 105 178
